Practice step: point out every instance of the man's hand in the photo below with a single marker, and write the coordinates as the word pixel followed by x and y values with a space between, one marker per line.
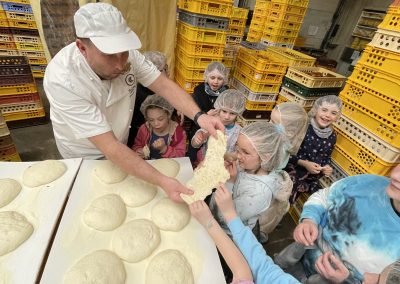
pixel 224 200
pixel 327 170
pixel 174 188
pixel 201 212
pixel 331 268
pixel 306 232
pixel 212 112
pixel 211 124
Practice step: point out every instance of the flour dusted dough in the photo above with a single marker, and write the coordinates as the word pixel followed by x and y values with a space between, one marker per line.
pixel 169 267
pixel 212 172
pixel 100 267
pixel 108 172
pixel 170 216
pixel 167 167
pixel 43 173
pixel 14 230
pixel 9 189
pixel 105 213
pixel 136 240
pixel 136 192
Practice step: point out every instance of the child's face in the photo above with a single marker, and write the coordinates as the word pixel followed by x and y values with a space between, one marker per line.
pixel 227 117
pixel 247 156
pixel 158 119
pixel 275 116
pixel 326 115
pixel 215 80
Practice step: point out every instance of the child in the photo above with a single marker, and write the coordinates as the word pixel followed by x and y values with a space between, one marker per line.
pixel 228 105
pixel 159 137
pixel 313 158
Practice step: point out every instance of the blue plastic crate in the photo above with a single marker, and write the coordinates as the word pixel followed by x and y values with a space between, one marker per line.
pixel 15 7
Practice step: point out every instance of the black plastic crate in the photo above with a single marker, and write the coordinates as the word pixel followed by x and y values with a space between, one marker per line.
pixel 309 92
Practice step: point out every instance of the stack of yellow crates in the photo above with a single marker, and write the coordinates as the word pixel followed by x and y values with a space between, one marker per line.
pixel 20 36
pixel 369 129
pixel 283 22
pixel 201 39
pixel 8 152
pixel 260 14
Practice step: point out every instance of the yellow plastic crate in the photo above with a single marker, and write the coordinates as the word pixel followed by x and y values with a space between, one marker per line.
pixel 252 105
pixel 280 24
pixel 17 89
pixel 213 8
pixel 391 20
pixel 261 12
pixel 253 38
pixel 292 96
pixel 8 52
pixel 277 38
pixel 6 38
pixel 254 86
pixel 255 97
pixel 11 158
pixel 200 48
pixel 292 57
pixel 188 72
pixel 31 53
pixel 281 99
pixel 380 148
pixel 20 115
pixel 193 61
pixel 186 84
pixel 280 15
pixel 20 16
pixel 233 39
pixel 3 15
pixel 239 13
pixel 365 158
pixel 29 46
pixel 384 129
pixel 4 22
pixel 295 214
pixel 237 23
pixel 15 23
pixel 261 61
pixel 301 3
pixel 381 59
pixel 192 33
pixel 389 40
pixel 37 60
pixel 236 31
pixel 7 45
pixel 244 121
pixel 349 166
pixel 254 75
pixel 315 77
pixel 387 106
pixel 27 39
pixel 262 4
pixel 287 8
pixel 280 32
pixel 255 34
pixel 228 62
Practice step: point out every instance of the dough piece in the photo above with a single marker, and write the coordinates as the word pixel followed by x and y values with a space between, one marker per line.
pixel 9 189
pixel 108 172
pixel 136 192
pixel 167 167
pixel 100 267
pixel 43 173
pixel 105 213
pixel 169 266
pixel 170 216
pixel 136 240
pixel 14 230
pixel 211 173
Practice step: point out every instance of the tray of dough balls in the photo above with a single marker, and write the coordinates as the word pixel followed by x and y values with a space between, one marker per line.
pixel 120 229
pixel 32 197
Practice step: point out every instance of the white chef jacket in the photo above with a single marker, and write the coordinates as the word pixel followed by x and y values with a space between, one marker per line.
pixel 82 105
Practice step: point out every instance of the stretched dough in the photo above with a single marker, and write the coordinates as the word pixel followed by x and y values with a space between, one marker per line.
pixel 108 172
pixel 170 216
pixel 100 267
pixel 136 240
pixel 211 173
pixel 136 192
pixel 105 213
pixel 43 173
pixel 169 266
pixel 168 167
pixel 9 189
pixel 14 230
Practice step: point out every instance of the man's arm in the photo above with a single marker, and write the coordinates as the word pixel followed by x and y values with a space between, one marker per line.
pixel 131 163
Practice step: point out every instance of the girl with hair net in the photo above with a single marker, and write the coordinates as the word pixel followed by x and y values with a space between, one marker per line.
pixel 313 158
pixel 205 94
pixel 228 105
pixel 160 136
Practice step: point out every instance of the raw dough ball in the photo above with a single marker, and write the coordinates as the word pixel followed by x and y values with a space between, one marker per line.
pixel 9 189
pixel 136 240
pixel 43 172
pixel 136 192
pixel 169 266
pixel 105 213
pixel 108 172
pixel 14 230
pixel 168 167
pixel 100 267
pixel 170 216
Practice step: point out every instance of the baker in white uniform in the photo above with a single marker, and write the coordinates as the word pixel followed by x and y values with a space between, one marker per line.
pixel 91 87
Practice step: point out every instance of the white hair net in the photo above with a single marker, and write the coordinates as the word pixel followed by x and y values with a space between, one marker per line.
pixel 294 123
pixel 156 101
pixel 159 59
pixel 219 67
pixel 231 100
pixel 331 99
pixel 270 143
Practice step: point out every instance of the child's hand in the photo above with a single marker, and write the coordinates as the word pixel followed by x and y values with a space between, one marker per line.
pixel 201 212
pixel 312 167
pixel 232 169
pixel 212 112
pixel 223 198
pixel 199 138
pixel 159 145
pixel 327 170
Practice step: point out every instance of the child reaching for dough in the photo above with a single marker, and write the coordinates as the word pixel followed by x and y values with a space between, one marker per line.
pixel 160 136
